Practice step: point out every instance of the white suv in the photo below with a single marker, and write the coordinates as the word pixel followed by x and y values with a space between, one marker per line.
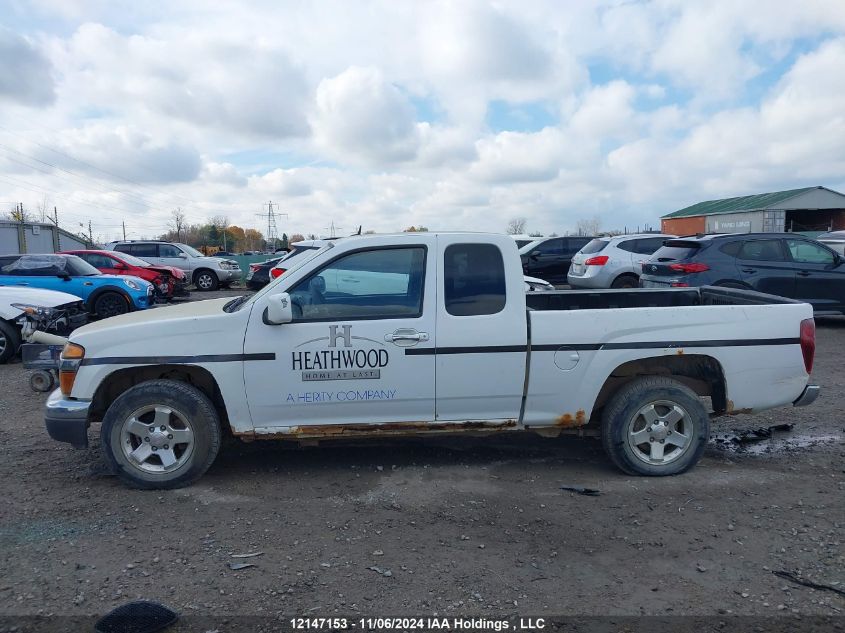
pixel 206 273
pixel 613 262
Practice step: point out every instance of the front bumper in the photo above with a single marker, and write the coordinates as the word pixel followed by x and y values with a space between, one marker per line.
pixel 227 276
pixel 67 420
pixel 808 396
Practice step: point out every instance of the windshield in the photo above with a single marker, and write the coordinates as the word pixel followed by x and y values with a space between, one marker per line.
pixel 240 302
pixel 132 260
pixel 190 250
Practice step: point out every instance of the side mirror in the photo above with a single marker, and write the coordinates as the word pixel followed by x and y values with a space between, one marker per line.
pixel 183 255
pixel 278 310
pixel 63 276
pixel 534 254
pixel 121 266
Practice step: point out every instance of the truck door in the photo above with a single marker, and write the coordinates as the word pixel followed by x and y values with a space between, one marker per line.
pixel 481 332
pixel 346 359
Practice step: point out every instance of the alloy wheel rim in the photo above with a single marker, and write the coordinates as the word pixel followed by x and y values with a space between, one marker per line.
pixel 660 432
pixel 204 281
pixel 157 439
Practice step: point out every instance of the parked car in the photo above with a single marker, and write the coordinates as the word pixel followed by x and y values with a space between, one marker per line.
pixel 295 254
pixel 57 313
pixel 784 264
pixel 259 274
pixel 549 257
pixel 522 239
pixel 104 295
pixel 437 338
pixel 168 281
pixel 834 240
pixel 613 262
pixel 223 254
pixel 206 273
pixel 532 284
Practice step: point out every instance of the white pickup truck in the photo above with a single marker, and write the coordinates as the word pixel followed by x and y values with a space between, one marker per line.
pixel 433 334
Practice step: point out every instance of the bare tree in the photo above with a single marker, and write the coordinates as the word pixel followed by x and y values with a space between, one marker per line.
pixel 43 209
pixel 177 221
pixel 516 226
pixel 589 226
pixel 221 223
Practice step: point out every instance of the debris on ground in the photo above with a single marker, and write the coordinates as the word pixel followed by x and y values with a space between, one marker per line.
pixel 589 492
pixel 748 436
pixel 807 583
pixel 237 566
pixel 250 555
pixel 384 572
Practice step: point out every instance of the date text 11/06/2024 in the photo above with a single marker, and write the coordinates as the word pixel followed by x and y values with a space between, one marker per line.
pixel 418 624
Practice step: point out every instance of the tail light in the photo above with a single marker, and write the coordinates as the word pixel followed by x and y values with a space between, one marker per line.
pixel 679 284
pixel 689 268
pixel 254 267
pixel 277 272
pixel 598 260
pixel 808 343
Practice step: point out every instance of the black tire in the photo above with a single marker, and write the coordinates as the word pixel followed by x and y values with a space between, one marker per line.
pixel 189 409
pixel 10 341
pixel 626 281
pixel 109 304
pixel 205 280
pixel 42 381
pixel 622 417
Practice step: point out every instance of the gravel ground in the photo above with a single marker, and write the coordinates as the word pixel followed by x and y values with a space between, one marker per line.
pixel 451 526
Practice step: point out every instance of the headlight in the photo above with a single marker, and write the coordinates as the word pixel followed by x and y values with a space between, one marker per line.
pixel 69 362
pixel 132 284
pixel 32 310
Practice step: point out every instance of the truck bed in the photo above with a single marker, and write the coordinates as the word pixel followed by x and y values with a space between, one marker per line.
pixel 647 298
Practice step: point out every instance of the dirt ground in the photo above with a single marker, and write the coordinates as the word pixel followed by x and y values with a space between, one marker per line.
pixel 449 526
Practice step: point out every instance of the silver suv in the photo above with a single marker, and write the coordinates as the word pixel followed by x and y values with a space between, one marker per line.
pixel 206 273
pixel 613 262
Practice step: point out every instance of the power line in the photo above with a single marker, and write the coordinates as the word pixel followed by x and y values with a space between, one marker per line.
pixel 82 162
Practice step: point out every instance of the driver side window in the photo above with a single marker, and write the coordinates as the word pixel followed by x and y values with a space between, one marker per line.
pixel 385 283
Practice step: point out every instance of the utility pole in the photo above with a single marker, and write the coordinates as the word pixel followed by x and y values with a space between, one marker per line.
pixel 272 231
pixel 332 229
pixel 90 234
pixel 123 223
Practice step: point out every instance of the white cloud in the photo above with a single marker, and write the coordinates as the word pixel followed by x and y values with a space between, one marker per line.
pixel 26 75
pixel 362 117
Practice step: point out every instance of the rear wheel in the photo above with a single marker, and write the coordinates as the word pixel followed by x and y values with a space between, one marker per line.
pixel 206 280
pixel 626 281
pixel 655 426
pixel 10 341
pixel 110 304
pixel 160 434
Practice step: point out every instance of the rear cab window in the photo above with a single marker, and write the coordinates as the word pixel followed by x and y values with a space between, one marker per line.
pixel 474 279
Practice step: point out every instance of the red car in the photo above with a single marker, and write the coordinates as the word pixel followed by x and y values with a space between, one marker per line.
pixel 169 282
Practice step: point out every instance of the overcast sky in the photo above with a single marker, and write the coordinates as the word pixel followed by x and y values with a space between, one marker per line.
pixel 453 115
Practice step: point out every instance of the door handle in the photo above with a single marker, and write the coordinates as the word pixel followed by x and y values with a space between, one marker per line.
pixel 406 337
pixel 350 280
pixel 22 283
pixel 804 273
pixel 749 270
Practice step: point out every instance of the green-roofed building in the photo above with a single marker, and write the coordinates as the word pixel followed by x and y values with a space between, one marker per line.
pixel 806 210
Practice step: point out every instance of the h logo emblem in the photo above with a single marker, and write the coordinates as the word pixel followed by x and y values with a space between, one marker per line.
pixel 346 335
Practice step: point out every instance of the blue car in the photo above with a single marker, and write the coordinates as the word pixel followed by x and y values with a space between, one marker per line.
pixel 104 295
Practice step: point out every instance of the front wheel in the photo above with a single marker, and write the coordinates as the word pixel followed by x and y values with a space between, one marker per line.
pixel 160 434
pixel 110 304
pixel 206 280
pixel 10 341
pixel 655 426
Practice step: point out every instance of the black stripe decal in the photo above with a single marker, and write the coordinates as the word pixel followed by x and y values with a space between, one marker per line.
pixel 494 349
pixel 176 360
